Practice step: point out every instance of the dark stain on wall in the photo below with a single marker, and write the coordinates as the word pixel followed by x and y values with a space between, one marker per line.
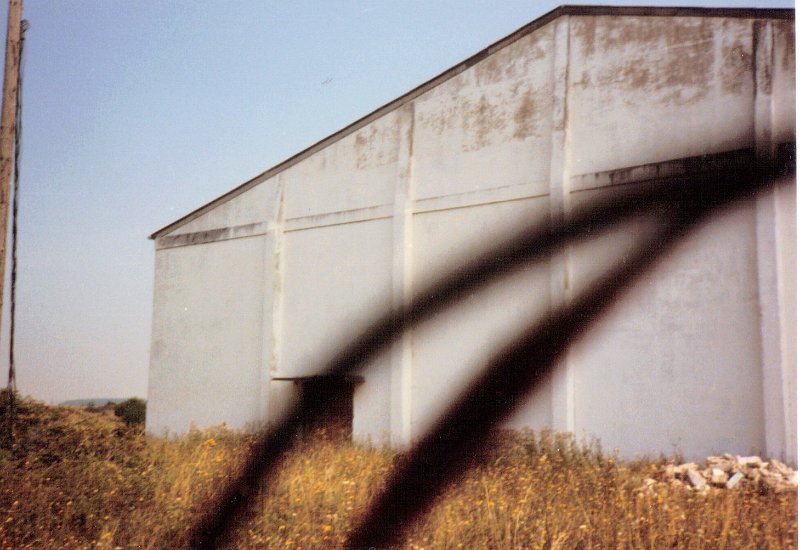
pixel 513 62
pixel 495 117
pixel 673 58
pixel 583 31
pixel 508 107
pixel 736 57
pixel 614 34
pixel 736 70
pixel 636 75
pixel 784 39
pixel 762 71
pixel 444 119
pixel 363 147
pixel 491 70
pixel 585 81
pixel 525 115
pixel 376 145
pixel 478 121
pixel 690 67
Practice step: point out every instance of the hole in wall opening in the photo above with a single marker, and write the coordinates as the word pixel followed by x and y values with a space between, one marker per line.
pixel 334 396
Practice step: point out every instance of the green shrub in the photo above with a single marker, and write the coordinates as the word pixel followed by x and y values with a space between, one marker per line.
pixel 132 411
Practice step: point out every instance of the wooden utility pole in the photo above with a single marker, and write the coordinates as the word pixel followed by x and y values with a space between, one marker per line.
pixel 8 123
pixel 8 128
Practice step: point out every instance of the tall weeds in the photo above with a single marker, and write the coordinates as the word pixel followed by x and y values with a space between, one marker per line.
pixel 78 479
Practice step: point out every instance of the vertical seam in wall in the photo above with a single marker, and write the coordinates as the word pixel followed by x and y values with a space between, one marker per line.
pixel 559 198
pixel 763 104
pixel 402 362
pixel 409 270
pixel 773 406
pixel 273 297
pixel 773 440
pixel 277 283
pixel 566 207
pixel 787 368
pixel 263 369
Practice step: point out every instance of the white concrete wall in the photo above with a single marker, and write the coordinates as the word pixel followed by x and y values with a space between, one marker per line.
pixel 698 359
pixel 481 169
pixel 206 346
pixel 676 366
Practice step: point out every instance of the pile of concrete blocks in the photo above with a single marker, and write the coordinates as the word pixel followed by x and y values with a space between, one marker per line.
pixel 726 472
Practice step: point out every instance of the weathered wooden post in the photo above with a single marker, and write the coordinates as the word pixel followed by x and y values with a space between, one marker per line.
pixel 8 123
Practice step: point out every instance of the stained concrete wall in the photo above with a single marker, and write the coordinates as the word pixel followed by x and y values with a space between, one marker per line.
pixel 698 359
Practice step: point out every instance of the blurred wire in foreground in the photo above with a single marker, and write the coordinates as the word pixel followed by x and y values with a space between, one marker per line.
pixel 679 205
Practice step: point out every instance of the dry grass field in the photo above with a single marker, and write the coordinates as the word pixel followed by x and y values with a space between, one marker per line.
pixel 82 479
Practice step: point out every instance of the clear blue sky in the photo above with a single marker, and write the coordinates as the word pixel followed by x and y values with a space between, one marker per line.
pixel 136 113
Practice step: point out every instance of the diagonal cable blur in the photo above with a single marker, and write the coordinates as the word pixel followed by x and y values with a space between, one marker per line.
pixel 681 203
pixel 513 373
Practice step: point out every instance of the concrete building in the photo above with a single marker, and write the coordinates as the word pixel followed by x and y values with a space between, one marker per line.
pixel 256 288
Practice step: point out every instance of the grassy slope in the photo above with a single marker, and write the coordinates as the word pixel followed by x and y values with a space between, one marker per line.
pixel 79 479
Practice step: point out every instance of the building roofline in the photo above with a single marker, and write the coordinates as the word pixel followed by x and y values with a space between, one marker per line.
pixel 578 10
